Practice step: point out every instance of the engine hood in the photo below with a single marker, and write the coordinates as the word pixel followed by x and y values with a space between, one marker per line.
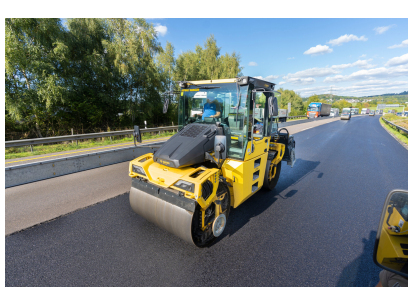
pixel 187 147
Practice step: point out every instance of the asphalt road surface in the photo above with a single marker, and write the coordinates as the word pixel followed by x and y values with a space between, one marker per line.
pixel 33 203
pixel 316 229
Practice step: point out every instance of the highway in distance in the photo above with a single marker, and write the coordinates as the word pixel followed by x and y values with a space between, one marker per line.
pixel 317 228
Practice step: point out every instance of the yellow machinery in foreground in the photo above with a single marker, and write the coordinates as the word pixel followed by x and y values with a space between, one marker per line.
pixel 227 149
pixel 391 246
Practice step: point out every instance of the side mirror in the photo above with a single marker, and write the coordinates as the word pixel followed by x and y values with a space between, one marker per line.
pixel 270 106
pixel 390 248
pixel 165 105
pixel 275 106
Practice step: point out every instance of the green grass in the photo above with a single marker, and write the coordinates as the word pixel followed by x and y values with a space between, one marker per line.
pixel 20 152
pixel 295 119
pixel 400 135
pixel 401 121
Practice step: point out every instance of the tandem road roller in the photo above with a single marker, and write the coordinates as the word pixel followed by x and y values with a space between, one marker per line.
pixel 228 147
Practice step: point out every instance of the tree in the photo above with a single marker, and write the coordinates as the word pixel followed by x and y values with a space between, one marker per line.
pixel 206 63
pixel 341 104
pixel 33 88
pixel 289 96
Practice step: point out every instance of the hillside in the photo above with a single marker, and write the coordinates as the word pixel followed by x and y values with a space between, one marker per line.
pixel 388 97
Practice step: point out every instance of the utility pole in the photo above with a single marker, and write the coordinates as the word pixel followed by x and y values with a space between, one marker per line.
pixel 331 94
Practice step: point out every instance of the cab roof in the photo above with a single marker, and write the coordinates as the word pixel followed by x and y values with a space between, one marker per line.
pixel 243 80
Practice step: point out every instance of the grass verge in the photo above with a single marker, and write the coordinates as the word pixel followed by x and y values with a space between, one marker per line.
pixel 20 152
pixel 295 119
pixel 399 135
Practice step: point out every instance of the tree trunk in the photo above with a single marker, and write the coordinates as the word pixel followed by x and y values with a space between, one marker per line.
pixel 38 132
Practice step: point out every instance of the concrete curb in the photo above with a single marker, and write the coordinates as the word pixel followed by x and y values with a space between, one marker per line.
pixel 31 172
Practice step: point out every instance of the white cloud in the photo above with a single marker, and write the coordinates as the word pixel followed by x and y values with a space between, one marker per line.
pixel 402 45
pixel 359 63
pixel 370 74
pixel 252 64
pixel 364 55
pixel 161 29
pixel 301 81
pixel 346 38
pixel 397 61
pixel 382 29
pixel 318 50
pixel 290 58
pixel 281 83
pixel 269 78
pixel 313 72
pixel 335 69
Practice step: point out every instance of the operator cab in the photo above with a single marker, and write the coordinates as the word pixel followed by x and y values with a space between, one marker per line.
pixel 243 106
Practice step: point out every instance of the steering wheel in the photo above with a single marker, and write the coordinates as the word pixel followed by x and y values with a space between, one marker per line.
pixel 288 134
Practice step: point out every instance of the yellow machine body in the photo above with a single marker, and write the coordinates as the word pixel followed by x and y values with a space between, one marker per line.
pixel 156 183
pixel 392 248
pixel 244 177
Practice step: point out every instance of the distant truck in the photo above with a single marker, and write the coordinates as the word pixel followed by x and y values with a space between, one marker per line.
pixel 334 112
pixel 364 111
pixel 282 115
pixel 316 110
pixel 354 111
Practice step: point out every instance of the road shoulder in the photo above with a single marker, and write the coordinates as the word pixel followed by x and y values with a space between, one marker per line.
pixel 398 140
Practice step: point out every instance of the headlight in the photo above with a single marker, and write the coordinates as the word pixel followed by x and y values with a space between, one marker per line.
pixel 138 170
pixel 187 186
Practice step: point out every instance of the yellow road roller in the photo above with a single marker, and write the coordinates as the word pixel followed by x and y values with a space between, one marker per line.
pixel 228 147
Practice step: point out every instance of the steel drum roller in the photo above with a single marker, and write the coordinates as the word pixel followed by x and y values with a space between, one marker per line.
pixel 168 216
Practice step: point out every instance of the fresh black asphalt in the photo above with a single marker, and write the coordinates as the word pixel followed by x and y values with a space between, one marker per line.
pixel 316 229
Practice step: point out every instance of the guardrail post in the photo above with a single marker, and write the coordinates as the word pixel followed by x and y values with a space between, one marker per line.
pixel 72 134
pixel 31 148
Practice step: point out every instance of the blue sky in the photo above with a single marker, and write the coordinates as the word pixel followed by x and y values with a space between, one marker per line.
pixel 355 57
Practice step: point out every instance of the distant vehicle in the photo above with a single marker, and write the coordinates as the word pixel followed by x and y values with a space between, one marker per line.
pixel 405 113
pixel 354 111
pixel 372 113
pixel 316 110
pixel 364 111
pixel 334 112
pixel 399 114
pixel 381 111
pixel 391 111
pixel 282 115
pixel 377 111
pixel 346 114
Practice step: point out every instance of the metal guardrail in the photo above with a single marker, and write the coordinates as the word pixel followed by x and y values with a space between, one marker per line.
pixel 396 126
pixel 30 142
pixel 27 142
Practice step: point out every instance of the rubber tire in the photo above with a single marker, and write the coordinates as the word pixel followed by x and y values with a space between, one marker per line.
pixel 212 238
pixel 269 185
